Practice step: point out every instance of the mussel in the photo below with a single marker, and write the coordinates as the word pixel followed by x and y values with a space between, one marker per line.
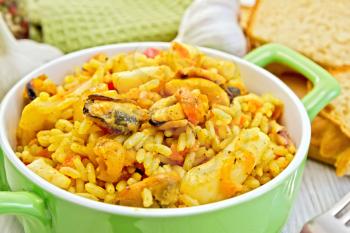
pixel 232 92
pixel 37 85
pixel 30 91
pixel 120 116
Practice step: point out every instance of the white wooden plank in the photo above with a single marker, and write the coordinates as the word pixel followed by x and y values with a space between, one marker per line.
pixel 9 224
pixel 320 189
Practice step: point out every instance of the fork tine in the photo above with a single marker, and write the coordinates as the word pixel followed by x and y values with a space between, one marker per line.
pixel 345 218
pixel 340 205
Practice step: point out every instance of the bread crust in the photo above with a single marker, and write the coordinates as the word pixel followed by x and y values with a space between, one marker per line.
pixel 326 111
pixel 332 45
pixel 254 43
pixel 314 153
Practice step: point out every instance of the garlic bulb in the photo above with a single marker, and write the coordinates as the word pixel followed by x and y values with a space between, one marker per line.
pixel 213 24
pixel 18 58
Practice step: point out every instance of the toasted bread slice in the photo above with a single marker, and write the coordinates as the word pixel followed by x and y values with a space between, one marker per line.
pixel 338 110
pixel 330 141
pixel 330 145
pixel 244 15
pixel 295 81
pixel 317 28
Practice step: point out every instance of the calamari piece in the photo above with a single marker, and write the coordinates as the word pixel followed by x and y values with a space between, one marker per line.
pixel 185 51
pixel 111 159
pixel 41 114
pixel 202 73
pixel 173 124
pixel 222 176
pixel 126 80
pixel 194 104
pixel 164 187
pixel 227 69
pixel 118 115
pixel 44 170
pixel 216 95
pixel 164 102
pixel 171 113
pixel 166 110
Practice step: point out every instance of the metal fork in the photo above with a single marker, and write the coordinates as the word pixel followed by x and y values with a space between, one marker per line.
pixel 335 220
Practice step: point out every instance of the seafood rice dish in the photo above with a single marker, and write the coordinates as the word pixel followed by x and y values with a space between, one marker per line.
pixel 155 129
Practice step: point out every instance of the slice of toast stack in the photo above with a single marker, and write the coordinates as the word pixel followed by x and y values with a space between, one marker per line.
pixel 338 113
pixel 320 30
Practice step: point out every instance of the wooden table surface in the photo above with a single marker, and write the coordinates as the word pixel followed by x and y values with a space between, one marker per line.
pixel 320 190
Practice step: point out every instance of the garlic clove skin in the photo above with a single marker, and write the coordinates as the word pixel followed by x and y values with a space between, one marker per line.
pixel 28 55
pixel 213 24
pixel 19 57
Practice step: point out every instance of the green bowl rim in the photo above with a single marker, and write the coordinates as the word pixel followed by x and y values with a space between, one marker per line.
pixel 159 213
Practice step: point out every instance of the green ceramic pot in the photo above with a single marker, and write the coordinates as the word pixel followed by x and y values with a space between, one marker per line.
pixel 42 207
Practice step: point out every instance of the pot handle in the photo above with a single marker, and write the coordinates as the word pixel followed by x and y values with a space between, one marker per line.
pixel 29 206
pixel 24 204
pixel 325 87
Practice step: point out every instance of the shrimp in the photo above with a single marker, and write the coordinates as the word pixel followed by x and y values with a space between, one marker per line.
pixel 194 104
pixel 164 187
pixel 111 159
pixel 222 176
pixel 216 95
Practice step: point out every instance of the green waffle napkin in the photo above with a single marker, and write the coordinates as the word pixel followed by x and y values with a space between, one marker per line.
pixel 76 24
